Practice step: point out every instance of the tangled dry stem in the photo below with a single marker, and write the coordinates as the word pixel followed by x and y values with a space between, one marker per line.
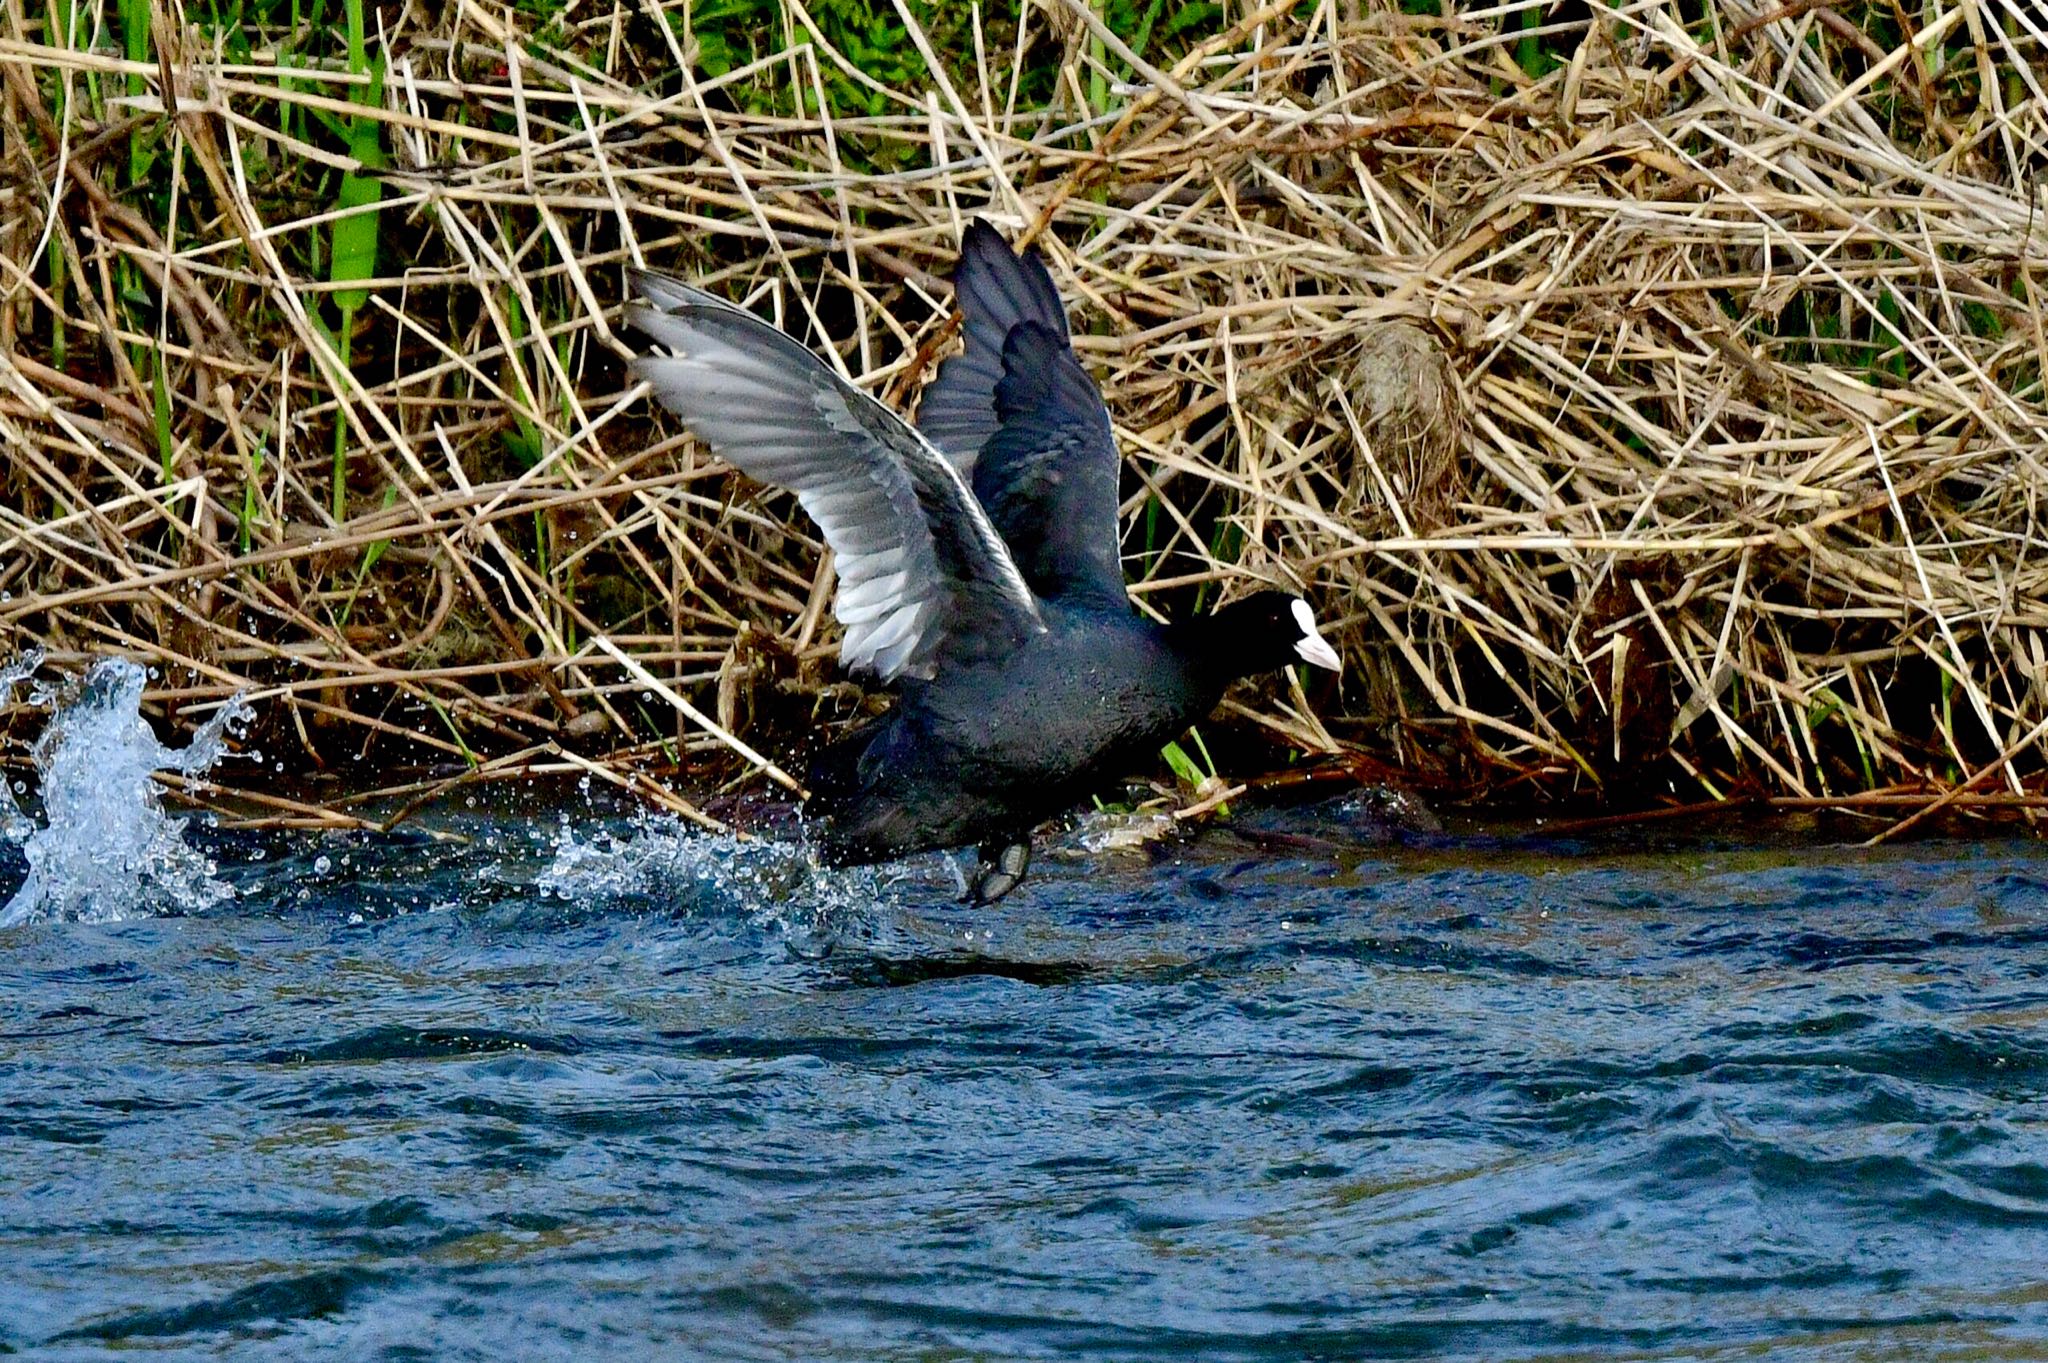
pixel 1732 484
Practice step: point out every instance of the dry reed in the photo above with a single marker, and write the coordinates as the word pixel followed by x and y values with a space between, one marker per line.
pixel 1733 484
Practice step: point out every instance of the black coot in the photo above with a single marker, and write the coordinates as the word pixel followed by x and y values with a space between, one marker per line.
pixel 978 566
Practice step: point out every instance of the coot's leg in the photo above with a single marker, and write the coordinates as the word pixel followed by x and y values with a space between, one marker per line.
pixel 1002 866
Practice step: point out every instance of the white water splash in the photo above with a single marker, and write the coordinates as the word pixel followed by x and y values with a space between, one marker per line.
pixel 657 858
pixel 1100 831
pixel 105 849
pixel 15 825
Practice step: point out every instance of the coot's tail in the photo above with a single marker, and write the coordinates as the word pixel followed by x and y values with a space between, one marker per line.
pixel 851 823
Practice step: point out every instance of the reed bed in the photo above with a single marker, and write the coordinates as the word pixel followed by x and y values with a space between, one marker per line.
pixel 1649 396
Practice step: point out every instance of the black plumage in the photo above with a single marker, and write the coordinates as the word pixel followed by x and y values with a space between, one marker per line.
pixel 978 566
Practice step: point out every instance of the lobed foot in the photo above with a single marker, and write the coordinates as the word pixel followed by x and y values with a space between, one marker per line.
pixel 1002 867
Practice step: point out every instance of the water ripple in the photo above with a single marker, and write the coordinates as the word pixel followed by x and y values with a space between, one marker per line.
pixel 608 1089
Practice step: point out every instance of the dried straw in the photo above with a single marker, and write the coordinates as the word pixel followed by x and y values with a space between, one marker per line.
pixel 1732 485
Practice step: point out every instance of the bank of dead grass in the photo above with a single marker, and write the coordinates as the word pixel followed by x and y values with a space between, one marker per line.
pixel 1732 482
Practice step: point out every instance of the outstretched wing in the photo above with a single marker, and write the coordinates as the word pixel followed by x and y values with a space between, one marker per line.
pixel 997 289
pixel 1017 414
pixel 1048 475
pixel 924 578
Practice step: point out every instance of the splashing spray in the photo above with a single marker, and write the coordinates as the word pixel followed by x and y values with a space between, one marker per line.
pixel 105 849
pixel 656 859
pixel 15 825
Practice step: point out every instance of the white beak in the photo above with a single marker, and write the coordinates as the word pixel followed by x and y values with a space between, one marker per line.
pixel 1312 647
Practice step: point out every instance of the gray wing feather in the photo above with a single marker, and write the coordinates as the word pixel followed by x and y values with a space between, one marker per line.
pixel 1047 475
pixel 923 576
pixel 1022 421
pixel 996 290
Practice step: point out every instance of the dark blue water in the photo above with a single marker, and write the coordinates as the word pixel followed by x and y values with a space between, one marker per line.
pixel 540 1096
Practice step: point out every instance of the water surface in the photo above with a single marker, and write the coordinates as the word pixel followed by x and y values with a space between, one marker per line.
pixel 584 1087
